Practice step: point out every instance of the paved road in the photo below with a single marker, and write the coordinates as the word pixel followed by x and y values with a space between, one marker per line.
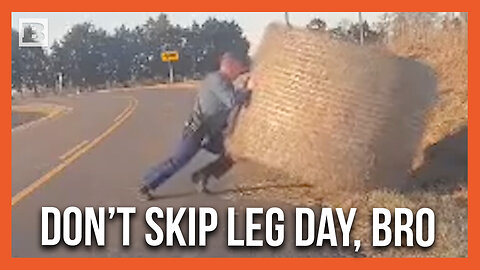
pixel 109 172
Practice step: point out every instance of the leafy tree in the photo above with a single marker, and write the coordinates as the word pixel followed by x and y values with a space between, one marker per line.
pixel 369 34
pixel 317 24
pixel 218 37
pixel 83 55
pixel 351 32
pixel 88 56
pixel 122 48
pixel 30 65
pixel 17 63
pixel 190 50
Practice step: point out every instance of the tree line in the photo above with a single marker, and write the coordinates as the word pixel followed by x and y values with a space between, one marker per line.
pixel 90 57
pixel 388 26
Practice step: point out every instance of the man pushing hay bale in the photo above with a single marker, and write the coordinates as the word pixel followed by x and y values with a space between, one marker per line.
pixel 345 117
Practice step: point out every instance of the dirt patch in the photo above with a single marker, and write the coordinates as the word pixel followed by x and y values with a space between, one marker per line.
pixel 21 118
pixel 179 85
pixel 27 115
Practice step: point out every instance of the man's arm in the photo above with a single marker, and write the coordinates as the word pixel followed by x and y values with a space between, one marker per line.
pixel 242 96
pixel 231 97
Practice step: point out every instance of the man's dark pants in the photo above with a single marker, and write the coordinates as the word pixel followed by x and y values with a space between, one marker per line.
pixel 192 141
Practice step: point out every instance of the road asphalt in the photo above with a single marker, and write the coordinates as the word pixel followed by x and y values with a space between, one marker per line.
pixel 49 168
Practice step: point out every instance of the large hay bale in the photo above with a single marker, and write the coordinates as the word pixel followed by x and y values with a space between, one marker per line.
pixel 343 116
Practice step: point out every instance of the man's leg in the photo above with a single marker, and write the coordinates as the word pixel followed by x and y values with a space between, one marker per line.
pixel 185 151
pixel 217 168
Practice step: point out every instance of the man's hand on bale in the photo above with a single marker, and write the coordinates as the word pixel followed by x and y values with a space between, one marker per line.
pixel 245 85
pixel 251 83
pixel 243 96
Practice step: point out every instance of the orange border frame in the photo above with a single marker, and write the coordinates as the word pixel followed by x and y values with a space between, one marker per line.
pixel 230 263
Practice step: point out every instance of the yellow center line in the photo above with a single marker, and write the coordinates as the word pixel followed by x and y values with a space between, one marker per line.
pixel 69 160
pixel 73 150
pixel 130 101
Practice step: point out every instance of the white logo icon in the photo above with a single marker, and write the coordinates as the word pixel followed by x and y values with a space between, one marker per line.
pixel 33 32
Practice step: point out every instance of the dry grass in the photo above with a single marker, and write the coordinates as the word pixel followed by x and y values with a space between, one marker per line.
pixel 446 50
pixel 449 205
pixel 450 215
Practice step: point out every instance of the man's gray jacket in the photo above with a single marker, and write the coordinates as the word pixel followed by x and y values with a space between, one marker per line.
pixel 215 100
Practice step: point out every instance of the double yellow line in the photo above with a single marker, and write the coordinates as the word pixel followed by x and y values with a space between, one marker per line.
pixel 73 150
pixel 76 152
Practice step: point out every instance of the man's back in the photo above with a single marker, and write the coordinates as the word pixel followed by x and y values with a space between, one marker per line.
pixel 215 100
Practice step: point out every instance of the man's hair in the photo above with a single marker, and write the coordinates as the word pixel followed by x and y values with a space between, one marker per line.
pixel 243 58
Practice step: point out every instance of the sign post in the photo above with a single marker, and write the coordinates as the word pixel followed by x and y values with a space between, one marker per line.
pixel 360 21
pixel 169 57
pixel 170 71
pixel 59 82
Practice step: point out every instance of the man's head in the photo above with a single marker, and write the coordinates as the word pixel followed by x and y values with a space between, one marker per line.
pixel 232 65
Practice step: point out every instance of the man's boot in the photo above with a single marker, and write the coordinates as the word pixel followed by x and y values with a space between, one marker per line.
pixel 144 194
pixel 200 180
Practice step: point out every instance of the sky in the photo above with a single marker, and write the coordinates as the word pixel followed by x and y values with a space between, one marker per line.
pixel 252 23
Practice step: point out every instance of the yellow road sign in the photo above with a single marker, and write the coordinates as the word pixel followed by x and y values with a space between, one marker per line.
pixel 170 56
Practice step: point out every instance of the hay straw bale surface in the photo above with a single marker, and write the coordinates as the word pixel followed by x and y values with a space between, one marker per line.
pixel 343 116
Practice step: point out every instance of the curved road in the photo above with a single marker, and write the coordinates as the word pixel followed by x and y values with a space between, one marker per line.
pixel 109 173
